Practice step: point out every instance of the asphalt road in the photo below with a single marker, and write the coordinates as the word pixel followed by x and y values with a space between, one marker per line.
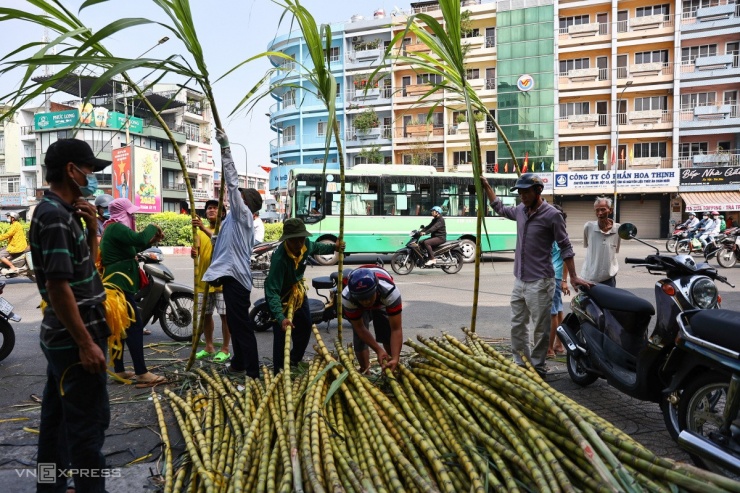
pixel 433 302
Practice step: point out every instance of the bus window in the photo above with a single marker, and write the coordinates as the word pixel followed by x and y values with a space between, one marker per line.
pixel 360 197
pixel 401 198
pixel 455 199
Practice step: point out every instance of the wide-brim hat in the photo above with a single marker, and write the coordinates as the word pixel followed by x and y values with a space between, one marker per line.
pixel 294 228
pixel 76 151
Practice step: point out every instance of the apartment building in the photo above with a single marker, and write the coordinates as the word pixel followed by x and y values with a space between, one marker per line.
pixel 12 197
pixel 581 89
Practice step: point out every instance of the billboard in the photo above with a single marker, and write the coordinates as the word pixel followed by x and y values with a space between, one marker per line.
pixel 714 175
pixel 121 172
pixel 147 179
pixel 86 116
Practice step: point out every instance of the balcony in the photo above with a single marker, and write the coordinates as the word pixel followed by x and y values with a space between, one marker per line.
pixel 583 78
pixel 195 109
pixel 417 89
pixel 369 137
pixel 712 16
pixel 583 74
pixel 582 165
pixel 653 25
pixel 27 130
pixel 193 164
pixel 649 116
pixel 415 48
pixel 28 161
pixel 582 121
pixel 645 69
pixel 715 112
pixel 716 159
pixel 661 72
pixel 583 30
pixel 473 41
pixel 576 35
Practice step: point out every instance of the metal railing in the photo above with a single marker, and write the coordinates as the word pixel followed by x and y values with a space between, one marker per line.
pixel 386 132
pixel 27 130
pixel 195 109
pixel 490 42
pixel 688 17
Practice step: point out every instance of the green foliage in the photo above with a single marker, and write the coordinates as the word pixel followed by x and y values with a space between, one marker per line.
pixel 366 120
pixel 373 155
pixel 5 226
pixel 461 118
pixel 273 231
pixel 479 116
pixel 176 227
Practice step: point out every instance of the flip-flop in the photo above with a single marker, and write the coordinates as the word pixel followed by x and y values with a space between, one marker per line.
pixel 203 354
pixel 220 357
pixel 150 382
pixel 147 332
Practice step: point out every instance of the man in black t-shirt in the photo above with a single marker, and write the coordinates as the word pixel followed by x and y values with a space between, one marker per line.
pixel 75 411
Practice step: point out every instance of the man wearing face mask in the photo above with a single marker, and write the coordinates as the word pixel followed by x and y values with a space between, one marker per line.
pixel 74 331
pixel 101 205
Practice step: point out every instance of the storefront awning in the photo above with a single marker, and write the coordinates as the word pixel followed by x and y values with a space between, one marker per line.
pixel 707 201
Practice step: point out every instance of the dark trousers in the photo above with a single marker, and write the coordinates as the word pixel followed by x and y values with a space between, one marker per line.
pixel 245 355
pixel 72 429
pixel 612 281
pixel 134 341
pixel 301 335
pixel 430 243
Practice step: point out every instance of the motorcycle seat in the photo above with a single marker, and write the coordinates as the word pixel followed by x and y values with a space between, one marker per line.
pixel 620 300
pixel 720 327
pixel 345 274
pixel 323 282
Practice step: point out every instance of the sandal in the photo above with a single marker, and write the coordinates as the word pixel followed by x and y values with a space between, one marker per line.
pixel 126 375
pixel 203 354
pixel 147 332
pixel 149 379
pixel 220 357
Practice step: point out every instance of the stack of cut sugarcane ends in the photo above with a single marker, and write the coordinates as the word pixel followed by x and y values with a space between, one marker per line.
pixel 457 417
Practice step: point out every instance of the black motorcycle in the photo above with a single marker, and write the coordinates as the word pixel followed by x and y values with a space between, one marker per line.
pixel 707 386
pixel 448 256
pixel 729 249
pixel 606 335
pixel 6 330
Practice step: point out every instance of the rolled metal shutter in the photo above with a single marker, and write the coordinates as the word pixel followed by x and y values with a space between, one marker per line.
pixel 579 213
pixel 645 215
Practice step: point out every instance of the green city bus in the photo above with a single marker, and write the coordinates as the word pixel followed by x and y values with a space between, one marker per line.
pixel 383 203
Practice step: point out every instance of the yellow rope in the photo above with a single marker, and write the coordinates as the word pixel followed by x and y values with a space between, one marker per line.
pixel 295 298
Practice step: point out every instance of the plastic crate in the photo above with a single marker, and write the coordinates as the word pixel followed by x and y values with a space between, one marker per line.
pixel 258 279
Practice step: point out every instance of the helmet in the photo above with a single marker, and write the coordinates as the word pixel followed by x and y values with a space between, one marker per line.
pixel 715 213
pixel 14 215
pixel 103 200
pixel 528 180
pixel 437 209
pixel 362 284
pixel 692 214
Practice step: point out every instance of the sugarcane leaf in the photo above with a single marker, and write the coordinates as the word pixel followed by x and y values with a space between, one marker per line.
pixel 335 385
pixel 327 368
pixel 111 29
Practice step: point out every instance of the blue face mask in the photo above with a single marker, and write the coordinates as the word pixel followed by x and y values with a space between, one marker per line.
pixel 106 214
pixel 92 184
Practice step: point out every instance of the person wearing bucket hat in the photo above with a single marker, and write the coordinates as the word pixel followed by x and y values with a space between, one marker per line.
pixel 287 268
pixel 538 225
pixel 230 265
pixel 73 331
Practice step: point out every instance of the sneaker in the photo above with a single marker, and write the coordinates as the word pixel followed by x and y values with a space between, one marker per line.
pixel 430 263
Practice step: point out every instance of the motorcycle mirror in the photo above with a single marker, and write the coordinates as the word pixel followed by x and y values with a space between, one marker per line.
pixel 627 231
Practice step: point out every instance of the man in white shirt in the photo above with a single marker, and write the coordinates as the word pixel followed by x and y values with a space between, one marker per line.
pixel 691 222
pixel 259 228
pixel 711 229
pixel 602 245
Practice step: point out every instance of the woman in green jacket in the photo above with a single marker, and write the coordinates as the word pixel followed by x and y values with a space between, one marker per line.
pixel 118 249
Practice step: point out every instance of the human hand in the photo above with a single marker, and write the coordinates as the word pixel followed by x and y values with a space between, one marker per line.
pixel 286 323
pixel 577 281
pixel 197 222
pixel 222 138
pixel 87 212
pixel 382 357
pixel 391 364
pixel 92 358
pixel 565 288
pixel 339 246
pixel 193 253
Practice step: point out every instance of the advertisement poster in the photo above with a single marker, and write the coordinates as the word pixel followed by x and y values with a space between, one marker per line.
pixel 121 172
pixel 147 180
pixel 710 176
pixel 576 181
pixel 87 116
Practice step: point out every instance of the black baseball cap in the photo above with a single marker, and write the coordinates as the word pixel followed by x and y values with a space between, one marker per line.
pixel 76 151
pixel 211 202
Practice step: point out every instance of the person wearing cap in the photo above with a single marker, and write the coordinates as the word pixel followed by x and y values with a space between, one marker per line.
pixel 215 300
pixel 437 231
pixel 101 206
pixel 371 294
pixel 287 268
pixel 74 333
pixel 17 243
pixel 118 248
pixel 230 265
pixel 601 241
pixel 538 224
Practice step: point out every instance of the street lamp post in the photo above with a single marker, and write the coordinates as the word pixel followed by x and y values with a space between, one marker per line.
pixel 246 155
pixel 616 145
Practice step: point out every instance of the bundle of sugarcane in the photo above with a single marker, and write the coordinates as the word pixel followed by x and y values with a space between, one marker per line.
pixel 458 417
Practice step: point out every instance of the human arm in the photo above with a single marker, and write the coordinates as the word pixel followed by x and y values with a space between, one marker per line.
pixel 396 342
pixel 575 281
pixel 433 226
pixel 63 302
pixel 86 211
pixel 498 206
pixel 198 223
pixel 239 210
pixel 12 230
pixel 317 248
pixel 367 337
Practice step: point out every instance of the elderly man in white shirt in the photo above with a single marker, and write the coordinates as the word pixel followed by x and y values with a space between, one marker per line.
pixel 602 245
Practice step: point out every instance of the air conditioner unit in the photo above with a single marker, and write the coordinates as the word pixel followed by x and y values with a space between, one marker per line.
pixel 355 38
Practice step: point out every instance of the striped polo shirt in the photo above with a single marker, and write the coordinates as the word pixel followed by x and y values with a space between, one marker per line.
pixel 60 252
pixel 388 301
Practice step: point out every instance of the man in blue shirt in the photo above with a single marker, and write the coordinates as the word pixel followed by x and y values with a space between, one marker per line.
pixel 230 265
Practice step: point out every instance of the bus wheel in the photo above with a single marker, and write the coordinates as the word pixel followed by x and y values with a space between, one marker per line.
pixel 331 259
pixel 468 250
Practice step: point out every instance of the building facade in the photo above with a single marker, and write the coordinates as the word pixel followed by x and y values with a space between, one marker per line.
pixel 636 100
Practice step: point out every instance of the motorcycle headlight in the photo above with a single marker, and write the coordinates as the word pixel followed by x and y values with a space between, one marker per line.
pixel 704 293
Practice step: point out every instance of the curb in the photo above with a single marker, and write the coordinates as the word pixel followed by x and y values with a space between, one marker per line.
pixel 175 250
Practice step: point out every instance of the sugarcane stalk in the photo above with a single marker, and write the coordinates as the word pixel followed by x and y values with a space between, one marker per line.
pixel 168 476
pixel 295 461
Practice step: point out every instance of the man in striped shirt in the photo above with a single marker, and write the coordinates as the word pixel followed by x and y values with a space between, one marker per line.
pixel 74 411
pixel 372 294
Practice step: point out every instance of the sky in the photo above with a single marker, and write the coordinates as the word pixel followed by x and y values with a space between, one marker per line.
pixel 230 32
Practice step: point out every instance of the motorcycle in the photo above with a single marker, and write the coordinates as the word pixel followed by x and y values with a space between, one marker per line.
pixel 729 250
pixel 163 299
pixel 24 264
pixel 448 256
pixel 262 255
pixel 321 311
pixel 707 382
pixel 679 233
pixel 606 335
pixel 6 330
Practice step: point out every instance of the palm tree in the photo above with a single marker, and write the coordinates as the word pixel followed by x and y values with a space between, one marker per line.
pixel 446 60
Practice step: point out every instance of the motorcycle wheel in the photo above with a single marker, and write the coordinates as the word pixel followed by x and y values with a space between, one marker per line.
pixel 670 417
pixel 670 244
pixel 726 258
pixel 454 269
pixel 468 250
pixel 402 263
pixel 332 259
pixel 700 410
pixel 178 324
pixel 575 370
pixel 8 339
pixel 261 317
pixel 683 247
pixel 31 276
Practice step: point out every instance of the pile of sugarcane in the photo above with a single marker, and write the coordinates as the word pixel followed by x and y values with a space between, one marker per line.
pixel 459 416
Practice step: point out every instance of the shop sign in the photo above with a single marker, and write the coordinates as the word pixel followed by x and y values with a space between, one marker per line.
pixel 710 176
pixel 642 179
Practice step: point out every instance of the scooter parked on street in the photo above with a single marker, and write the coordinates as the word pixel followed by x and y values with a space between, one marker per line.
pixel 6 330
pixel 448 256
pixel 163 299
pixel 262 255
pixel 24 264
pixel 606 335
pixel 729 249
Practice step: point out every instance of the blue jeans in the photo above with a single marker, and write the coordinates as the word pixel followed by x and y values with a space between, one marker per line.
pixel 73 425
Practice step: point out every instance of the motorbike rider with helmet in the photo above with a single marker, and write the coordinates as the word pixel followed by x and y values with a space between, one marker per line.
pixel 691 222
pixel 101 206
pixel 438 233
pixel 371 289
pixel 17 243
pixel 711 229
